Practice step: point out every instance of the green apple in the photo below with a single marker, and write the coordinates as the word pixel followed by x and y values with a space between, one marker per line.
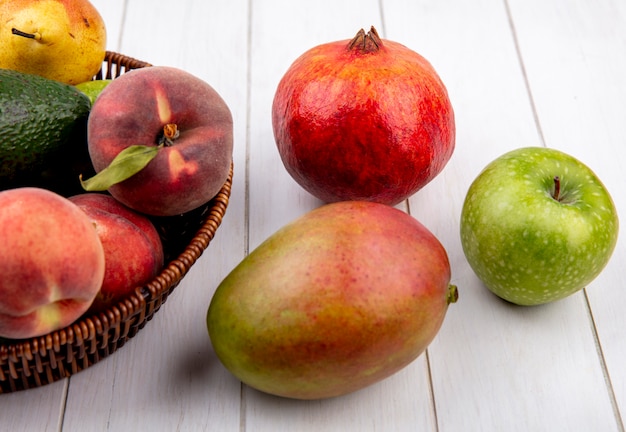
pixel 537 225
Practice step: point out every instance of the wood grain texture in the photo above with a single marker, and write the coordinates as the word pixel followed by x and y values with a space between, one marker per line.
pixel 170 366
pixel 489 352
pixel 519 73
pixel 273 48
pixel 575 65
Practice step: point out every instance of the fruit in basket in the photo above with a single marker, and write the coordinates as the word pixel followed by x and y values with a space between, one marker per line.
pixel 43 124
pixel 133 252
pixel 182 129
pixel 93 88
pixel 339 299
pixel 537 225
pixel 64 40
pixel 365 119
pixel 51 262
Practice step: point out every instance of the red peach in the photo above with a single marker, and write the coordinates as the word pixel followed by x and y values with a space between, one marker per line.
pixel 181 114
pixel 132 247
pixel 51 262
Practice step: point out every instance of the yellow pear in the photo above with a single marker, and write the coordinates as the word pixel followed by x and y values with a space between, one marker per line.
pixel 64 40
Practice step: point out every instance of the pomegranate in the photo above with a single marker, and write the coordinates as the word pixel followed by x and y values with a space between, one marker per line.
pixel 363 119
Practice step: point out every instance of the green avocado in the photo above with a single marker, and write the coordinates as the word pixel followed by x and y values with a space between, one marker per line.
pixel 43 133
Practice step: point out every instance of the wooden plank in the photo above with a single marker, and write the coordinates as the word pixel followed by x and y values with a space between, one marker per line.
pixel 16 409
pixel 168 377
pixel 281 31
pixel 494 366
pixel 574 62
pixel 49 401
pixel 112 12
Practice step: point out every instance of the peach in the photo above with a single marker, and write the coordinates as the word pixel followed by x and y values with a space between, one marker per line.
pixel 132 247
pixel 51 262
pixel 176 112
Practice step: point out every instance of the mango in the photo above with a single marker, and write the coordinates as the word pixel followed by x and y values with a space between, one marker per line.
pixel 343 297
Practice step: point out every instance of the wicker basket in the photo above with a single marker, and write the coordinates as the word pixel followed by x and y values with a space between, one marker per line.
pixel 42 360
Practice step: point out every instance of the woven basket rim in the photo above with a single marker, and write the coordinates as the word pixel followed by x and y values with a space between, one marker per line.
pixel 93 337
pixel 88 326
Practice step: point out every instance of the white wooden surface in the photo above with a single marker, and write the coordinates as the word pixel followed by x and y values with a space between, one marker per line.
pixel 519 72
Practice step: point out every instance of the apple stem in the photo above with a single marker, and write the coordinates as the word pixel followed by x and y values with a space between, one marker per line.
pixel 366 43
pixel 557 188
pixel 170 133
pixel 17 32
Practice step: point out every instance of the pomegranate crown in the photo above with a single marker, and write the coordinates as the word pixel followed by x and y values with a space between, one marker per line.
pixel 366 42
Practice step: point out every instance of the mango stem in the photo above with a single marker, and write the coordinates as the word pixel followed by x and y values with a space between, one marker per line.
pixel 453 294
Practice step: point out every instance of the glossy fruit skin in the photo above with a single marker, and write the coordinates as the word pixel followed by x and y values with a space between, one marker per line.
pixel 527 247
pixel 354 120
pixel 70 41
pixel 93 88
pixel 340 298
